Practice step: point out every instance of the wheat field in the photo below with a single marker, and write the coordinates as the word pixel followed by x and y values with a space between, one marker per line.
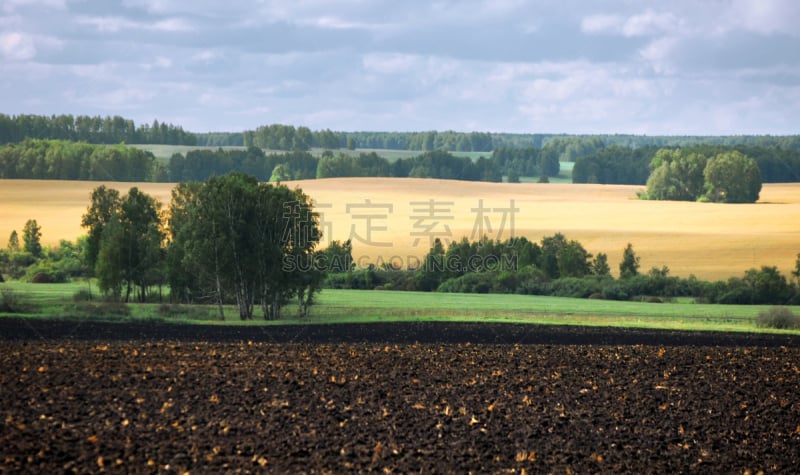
pixel 394 220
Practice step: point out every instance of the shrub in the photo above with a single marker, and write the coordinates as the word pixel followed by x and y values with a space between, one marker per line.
pixel 616 292
pixel 778 317
pixel 9 302
pixel 576 287
pixel 101 310
pixel 83 295
pixel 179 311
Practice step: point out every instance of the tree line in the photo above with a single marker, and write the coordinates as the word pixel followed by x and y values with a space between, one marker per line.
pixel 202 164
pixel 91 129
pixel 632 166
pixel 65 160
pixel 557 266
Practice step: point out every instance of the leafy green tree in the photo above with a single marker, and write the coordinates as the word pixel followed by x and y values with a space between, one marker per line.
pixel 676 175
pixel 551 246
pixel 629 267
pixel 600 265
pixel 238 239
pixel 13 242
pixel 279 174
pixel 768 285
pixel 732 177
pixel 104 205
pixel 32 238
pixel 796 271
pixel 573 260
pixel 130 252
pixel 338 257
pixel 434 269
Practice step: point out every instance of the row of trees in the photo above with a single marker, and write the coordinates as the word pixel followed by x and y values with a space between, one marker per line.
pixel 729 177
pixel 437 164
pixel 570 147
pixel 616 164
pixel 558 266
pixel 202 164
pixel 517 162
pixel 65 160
pixel 96 129
pixel 223 240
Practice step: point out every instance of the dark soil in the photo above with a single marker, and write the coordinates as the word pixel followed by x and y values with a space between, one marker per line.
pixel 104 399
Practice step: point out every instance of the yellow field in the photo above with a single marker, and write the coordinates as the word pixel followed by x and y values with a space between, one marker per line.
pixel 709 240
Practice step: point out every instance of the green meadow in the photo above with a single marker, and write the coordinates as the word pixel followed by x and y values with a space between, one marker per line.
pixel 359 306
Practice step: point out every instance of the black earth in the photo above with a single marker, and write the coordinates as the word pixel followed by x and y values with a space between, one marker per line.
pixel 435 398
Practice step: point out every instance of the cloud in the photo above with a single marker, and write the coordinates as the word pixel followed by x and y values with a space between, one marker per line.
pixel 765 16
pixel 10 6
pixel 17 46
pixel 647 23
pixel 508 65
pixel 114 24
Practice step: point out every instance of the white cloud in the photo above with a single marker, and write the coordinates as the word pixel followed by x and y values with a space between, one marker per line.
pixel 765 16
pixel 114 24
pixel 10 6
pixel 658 54
pixel 602 23
pixel 17 46
pixel 648 23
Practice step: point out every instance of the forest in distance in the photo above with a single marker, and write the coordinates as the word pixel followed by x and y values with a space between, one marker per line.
pixel 116 129
pixel 67 147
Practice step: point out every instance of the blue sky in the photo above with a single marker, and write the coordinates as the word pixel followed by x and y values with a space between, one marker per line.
pixel 605 66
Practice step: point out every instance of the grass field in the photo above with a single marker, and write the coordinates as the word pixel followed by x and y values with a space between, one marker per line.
pixel 353 306
pixel 387 219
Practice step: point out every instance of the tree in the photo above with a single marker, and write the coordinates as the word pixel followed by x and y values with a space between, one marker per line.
pixel 104 204
pixel 676 176
pixel 32 238
pixel 573 260
pixel 768 286
pixel 337 257
pixel 125 243
pixel 600 265
pixel 235 238
pixel 732 177
pixel 629 267
pixel 796 271
pixel 13 242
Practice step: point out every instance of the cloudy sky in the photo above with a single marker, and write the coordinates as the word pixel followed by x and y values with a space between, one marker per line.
pixel 600 66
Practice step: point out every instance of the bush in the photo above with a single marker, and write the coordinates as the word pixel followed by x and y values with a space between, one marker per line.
pixel 83 295
pixel 576 287
pixel 778 317
pixel 101 310
pixel 45 274
pixel 179 311
pixel 9 302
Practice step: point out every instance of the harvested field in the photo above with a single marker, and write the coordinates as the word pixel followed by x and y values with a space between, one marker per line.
pixel 711 241
pixel 204 406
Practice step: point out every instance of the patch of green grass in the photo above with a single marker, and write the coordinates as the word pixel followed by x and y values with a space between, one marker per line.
pixel 359 306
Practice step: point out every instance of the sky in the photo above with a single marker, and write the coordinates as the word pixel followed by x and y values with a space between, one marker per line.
pixel 684 67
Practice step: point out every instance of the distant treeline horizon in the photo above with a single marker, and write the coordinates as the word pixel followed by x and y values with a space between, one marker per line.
pixel 281 137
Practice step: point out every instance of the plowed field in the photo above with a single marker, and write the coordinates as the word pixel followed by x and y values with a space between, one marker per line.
pixel 88 404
